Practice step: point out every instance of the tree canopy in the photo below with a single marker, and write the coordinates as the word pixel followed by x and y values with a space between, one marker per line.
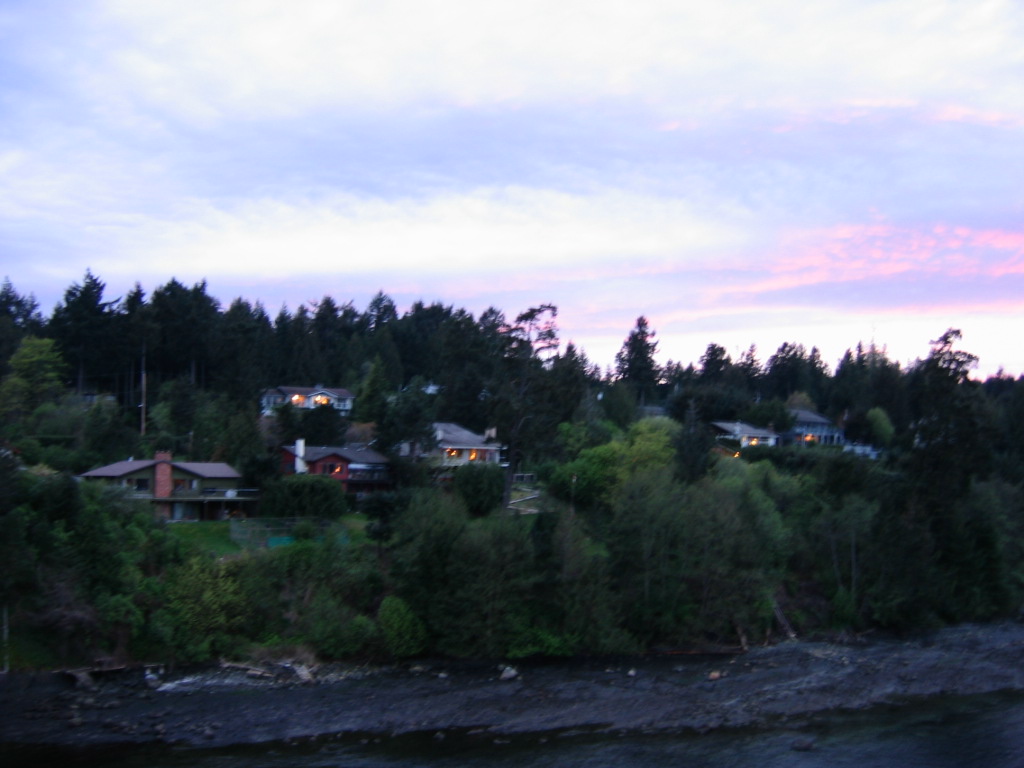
pixel 648 531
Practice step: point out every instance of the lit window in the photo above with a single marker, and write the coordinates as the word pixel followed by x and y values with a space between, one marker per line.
pixel 321 400
pixel 298 399
pixel 473 455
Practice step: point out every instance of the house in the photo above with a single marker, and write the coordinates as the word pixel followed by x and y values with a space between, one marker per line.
pixel 812 428
pixel 307 397
pixel 865 451
pixel 181 490
pixel 747 435
pixel 359 469
pixel 455 446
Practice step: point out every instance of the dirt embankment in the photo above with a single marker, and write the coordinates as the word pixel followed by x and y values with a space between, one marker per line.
pixel 651 694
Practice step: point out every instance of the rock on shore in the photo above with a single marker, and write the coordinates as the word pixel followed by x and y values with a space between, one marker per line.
pixel 651 694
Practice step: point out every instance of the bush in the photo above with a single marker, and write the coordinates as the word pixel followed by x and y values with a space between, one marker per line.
pixel 304 496
pixel 481 487
pixel 404 633
pixel 335 632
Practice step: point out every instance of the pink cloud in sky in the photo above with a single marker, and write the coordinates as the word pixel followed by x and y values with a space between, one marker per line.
pixel 846 263
pixel 958 113
pixel 853 251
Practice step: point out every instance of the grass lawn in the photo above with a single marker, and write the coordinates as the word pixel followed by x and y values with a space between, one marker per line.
pixel 355 524
pixel 213 537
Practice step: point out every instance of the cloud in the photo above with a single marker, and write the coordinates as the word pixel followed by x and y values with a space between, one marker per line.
pixel 749 168
pixel 263 58
pixel 510 231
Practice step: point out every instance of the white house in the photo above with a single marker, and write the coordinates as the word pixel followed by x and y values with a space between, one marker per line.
pixel 747 435
pixel 307 397
pixel 455 446
pixel 810 427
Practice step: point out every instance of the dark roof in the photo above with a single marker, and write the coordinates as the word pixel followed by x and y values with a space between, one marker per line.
pixel 207 469
pixel 210 469
pixel 356 454
pixel 803 416
pixel 120 468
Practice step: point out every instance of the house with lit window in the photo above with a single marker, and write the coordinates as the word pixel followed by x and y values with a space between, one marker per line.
pixel 812 428
pixel 455 446
pixel 307 397
pixel 181 490
pixel 359 469
pixel 745 435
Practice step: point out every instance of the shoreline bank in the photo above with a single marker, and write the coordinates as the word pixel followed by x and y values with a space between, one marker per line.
pixel 782 684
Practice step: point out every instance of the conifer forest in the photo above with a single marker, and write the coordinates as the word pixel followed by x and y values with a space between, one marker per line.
pixel 621 518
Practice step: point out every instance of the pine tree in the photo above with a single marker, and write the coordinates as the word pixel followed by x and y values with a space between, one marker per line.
pixel 635 364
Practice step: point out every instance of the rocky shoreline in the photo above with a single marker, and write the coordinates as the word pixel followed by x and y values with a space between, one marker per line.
pixel 657 694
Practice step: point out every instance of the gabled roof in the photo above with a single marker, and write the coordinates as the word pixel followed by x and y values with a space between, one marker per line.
pixel 354 454
pixel 205 469
pixel 120 468
pixel 453 436
pixel 208 469
pixel 803 416
pixel 747 430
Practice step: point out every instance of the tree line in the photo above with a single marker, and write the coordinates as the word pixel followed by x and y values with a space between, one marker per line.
pixel 648 532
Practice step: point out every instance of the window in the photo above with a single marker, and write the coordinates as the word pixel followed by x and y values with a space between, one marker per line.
pixel 142 484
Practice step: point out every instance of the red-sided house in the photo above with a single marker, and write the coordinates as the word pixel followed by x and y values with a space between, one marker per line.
pixel 181 490
pixel 359 469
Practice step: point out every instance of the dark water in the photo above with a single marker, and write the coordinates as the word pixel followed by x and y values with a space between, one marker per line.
pixel 986 732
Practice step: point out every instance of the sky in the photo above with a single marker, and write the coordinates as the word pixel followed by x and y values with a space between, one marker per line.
pixel 738 172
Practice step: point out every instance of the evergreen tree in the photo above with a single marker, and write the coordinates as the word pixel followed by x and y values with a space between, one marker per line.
pixel 714 364
pixel 19 317
pixel 36 376
pixel 951 449
pixel 83 326
pixel 372 403
pixel 634 363
pixel 185 322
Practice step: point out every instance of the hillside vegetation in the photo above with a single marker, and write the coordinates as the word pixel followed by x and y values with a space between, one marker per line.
pixel 644 534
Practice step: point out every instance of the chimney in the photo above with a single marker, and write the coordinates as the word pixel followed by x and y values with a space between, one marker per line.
pixel 163 484
pixel 301 467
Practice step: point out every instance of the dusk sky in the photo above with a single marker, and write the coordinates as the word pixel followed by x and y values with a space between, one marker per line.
pixel 740 172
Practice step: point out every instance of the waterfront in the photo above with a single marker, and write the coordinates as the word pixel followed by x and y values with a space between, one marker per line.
pixel 952 697
pixel 965 732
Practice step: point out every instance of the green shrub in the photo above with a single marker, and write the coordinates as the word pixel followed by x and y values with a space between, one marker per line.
pixel 336 632
pixel 404 633
pixel 481 487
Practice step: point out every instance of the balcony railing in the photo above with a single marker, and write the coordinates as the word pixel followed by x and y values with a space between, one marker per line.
pixel 199 494
pixel 215 493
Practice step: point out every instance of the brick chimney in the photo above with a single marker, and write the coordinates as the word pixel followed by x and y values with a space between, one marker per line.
pixel 163 485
